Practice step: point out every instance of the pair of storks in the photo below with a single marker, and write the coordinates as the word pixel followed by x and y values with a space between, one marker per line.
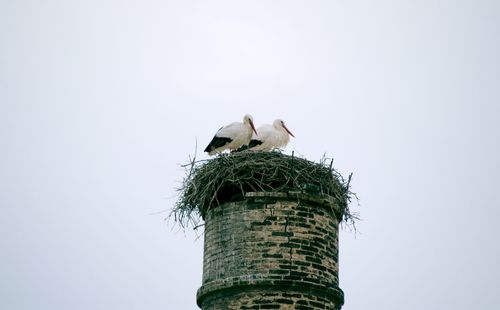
pixel 241 136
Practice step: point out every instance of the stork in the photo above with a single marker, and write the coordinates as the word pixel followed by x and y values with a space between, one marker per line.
pixel 270 137
pixel 232 136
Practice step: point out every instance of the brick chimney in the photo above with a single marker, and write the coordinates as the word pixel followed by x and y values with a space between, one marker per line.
pixel 272 250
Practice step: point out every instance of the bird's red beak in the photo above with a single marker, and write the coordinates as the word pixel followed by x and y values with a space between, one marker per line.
pixel 287 130
pixel 253 128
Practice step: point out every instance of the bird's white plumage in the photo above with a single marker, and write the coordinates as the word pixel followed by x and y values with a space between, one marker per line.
pixel 272 136
pixel 235 135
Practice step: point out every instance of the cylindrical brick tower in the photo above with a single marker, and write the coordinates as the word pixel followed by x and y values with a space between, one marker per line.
pixel 272 250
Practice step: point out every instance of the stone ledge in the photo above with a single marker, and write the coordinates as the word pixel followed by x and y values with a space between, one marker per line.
pixel 237 285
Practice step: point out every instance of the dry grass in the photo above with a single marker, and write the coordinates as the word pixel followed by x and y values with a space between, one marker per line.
pixel 209 183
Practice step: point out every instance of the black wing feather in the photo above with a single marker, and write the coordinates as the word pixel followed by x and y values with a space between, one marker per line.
pixel 217 142
pixel 253 143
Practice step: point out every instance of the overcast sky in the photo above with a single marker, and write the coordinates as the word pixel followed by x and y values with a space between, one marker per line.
pixel 100 101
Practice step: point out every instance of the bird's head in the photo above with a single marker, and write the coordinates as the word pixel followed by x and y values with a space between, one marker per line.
pixel 280 123
pixel 248 119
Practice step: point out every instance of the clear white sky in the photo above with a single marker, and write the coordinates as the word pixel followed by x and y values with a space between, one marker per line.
pixel 100 101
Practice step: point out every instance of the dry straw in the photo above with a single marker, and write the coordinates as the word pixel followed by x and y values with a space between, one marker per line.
pixel 209 183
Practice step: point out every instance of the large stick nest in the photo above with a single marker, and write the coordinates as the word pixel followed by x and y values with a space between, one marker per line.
pixel 209 183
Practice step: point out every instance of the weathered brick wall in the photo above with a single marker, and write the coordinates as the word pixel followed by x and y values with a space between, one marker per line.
pixel 271 251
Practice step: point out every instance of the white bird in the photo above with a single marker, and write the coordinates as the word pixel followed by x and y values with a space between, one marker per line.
pixel 232 136
pixel 270 137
